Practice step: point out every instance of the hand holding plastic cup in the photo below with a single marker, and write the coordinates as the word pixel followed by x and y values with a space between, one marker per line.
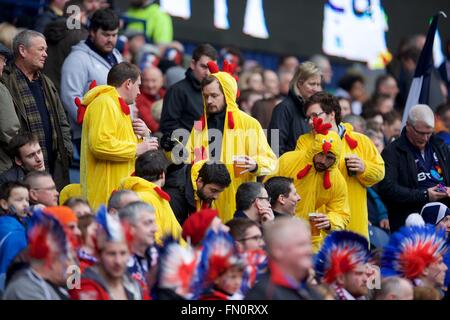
pixel 238 162
pixel 350 172
pixel 312 222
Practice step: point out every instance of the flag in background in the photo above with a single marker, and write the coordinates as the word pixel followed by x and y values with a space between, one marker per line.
pixel 419 92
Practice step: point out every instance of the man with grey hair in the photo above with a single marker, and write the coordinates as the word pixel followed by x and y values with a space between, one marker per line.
pixel 417 168
pixel 119 199
pixel 290 252
pixel 395 288
pixel 37 103
pixel 140 216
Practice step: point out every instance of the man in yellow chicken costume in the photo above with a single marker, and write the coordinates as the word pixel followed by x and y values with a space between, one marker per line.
pixel 109 142
pixel 360 162
pixel 224 133
pixel 147 182
pixel 319 182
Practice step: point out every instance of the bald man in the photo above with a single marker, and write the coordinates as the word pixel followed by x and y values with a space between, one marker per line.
pixel 395 288
pixel 289 248
pixel 151 91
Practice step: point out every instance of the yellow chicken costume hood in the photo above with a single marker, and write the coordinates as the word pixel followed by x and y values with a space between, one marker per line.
pixel 324 141
pixel 242 135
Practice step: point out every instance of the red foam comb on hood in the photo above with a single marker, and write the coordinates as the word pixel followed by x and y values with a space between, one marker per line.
pixel 213 67
pixel 326 146
pixel 320 127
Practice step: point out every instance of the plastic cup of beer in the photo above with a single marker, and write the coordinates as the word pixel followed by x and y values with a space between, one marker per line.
pixel 314 230
pixel 237 162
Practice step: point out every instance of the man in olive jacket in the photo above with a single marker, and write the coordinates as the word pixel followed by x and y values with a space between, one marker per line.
pixel 38 105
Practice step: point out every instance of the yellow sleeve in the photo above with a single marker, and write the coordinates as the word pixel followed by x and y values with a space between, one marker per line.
pixel 338 209
pixel 374 164
pixel 103 141
pixel 264 156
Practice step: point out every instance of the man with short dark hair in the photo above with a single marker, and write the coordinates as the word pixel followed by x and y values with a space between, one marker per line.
pixel 149 178
pixel 89 61
pixel 198 186
pixel 27 155
pixel 110 142
pixel 253 202
pixel 246 233
pixel 283 195
pixel 38 105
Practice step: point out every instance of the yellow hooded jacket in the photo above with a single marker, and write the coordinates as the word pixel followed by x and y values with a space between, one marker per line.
pixel 363 147
pixel 108 145
pixel 165 218
pixel 242 135
pixel 310 184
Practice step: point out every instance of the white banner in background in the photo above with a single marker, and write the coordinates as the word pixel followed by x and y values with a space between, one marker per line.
pixel 355 30
pixel 177 8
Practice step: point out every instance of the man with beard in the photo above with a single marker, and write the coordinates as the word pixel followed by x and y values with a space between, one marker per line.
pixel 226 134
pixel 89 61
pixel 37 103
pixel 200 185
pixel 319 183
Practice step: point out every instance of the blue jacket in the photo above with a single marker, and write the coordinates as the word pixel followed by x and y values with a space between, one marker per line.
pixel 13 239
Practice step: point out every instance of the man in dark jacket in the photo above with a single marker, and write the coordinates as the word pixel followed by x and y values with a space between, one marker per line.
pixel 183 102
pixel 60 39
pixel 417 168
pixel 38 105
pixel 196 187
pixel 27 155
pixel 289 117
pixel 290 253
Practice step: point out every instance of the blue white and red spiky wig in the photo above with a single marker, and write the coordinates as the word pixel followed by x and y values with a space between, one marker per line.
pixel 111 229
pixel 218 254
pixel 341 252
pixel 177 267
pixel 411 250
pixel 41 227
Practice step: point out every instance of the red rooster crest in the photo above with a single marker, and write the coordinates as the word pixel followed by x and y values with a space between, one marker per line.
pixel 320 127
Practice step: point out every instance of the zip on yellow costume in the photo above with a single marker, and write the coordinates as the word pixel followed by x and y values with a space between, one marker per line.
pixel 108 145
pixel 322 192
pixel 363 147
pixel 242 135
pixel 153 195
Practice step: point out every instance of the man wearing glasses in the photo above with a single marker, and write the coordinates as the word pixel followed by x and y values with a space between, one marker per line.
pixel 253 202
pixel 417 168
pixel 42 189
